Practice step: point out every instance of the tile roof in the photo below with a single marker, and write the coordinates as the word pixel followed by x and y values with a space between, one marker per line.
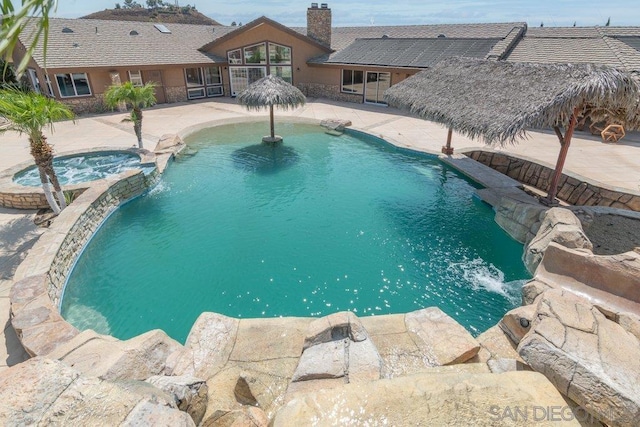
pixel 613 46
pixel 342 37
pixel 104 43
pixel 413 53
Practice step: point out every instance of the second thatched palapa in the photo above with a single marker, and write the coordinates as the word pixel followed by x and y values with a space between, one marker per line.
pixel 498 101
pixel 268 92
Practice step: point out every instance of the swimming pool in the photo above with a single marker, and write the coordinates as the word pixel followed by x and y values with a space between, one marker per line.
pixel 318 225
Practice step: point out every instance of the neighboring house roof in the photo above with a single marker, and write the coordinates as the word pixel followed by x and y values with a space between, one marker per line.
pixel 261 21
pixel 341 37
pixel 104 43
pixel 613 46
pixel 412 53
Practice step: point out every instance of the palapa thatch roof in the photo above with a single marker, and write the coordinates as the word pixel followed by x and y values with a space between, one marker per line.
pixel 270 91
pixel 497 101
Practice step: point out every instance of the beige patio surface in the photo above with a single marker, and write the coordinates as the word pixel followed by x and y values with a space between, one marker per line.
pixel 613 164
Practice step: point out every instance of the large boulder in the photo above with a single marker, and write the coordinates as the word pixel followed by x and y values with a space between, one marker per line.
pixel 338 346
pixel 47 392
pixel 589 358
pixel 561 226
pixel 446 399
pixel 442 340
pixel 189 393
pixel 520 220
pixel 207 348
pixel 106 357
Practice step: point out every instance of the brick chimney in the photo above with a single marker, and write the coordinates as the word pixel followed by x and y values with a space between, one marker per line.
pixel 319 23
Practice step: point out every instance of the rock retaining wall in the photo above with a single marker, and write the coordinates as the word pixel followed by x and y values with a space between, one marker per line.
pixel 40 278
pixel 317 90
pixel 573 188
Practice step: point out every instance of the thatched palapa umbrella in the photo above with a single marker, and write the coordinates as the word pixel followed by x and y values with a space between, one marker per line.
pixel 498 101
pixel 270 91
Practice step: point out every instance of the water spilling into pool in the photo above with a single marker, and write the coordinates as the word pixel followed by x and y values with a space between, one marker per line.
pixel 318 225
pixel 84 168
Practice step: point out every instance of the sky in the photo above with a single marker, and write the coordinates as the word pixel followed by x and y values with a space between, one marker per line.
pixel 402 12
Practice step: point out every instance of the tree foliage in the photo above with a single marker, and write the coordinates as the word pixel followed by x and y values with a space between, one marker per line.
pixel 135 97
pixel 14 21
pixel 29 113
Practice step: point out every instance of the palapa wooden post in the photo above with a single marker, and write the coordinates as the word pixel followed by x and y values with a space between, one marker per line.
pixel 565 141
pixel 448 149
pixel 273 133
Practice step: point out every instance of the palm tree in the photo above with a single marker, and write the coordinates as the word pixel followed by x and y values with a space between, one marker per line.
pixel 29 113
pixel 136 97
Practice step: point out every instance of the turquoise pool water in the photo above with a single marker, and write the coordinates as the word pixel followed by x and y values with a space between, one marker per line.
pixel 318 225
pixel 84 167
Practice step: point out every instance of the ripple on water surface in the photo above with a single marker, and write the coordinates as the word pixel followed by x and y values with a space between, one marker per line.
pixel 317 225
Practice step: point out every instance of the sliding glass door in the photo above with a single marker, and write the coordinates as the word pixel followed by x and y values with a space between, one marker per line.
pixel 376 84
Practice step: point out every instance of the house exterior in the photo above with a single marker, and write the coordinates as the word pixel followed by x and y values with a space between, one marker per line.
pixel 356 64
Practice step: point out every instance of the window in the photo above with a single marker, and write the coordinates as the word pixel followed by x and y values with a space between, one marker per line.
pixel 196 93
pixel 73 84
pixel 194 77
pixel 214 91
pixel 35 82
pixel 234 56
pixel 203 82
pixel 241 77
pixel 48 81
pixel 353 81
pixel 256 54
pixel 212 76
pixel 279 54
pixel 135 77
pixel 284 73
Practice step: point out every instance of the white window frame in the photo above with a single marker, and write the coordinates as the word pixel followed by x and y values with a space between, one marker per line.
pixel 35 81
pixel 73 83
pixel 279 63
pixel 342 89
pixel 214 91
pixel 136 79
pixel 48 82
pixel 205 90
pixel 235 61
pixel 196 93
pixel 256 64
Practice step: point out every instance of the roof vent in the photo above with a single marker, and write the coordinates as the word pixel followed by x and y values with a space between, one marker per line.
pixel 67 30
pixel 384 36
pixel 441 36
pixel 162 28
pixel 133 33
pixel 76 45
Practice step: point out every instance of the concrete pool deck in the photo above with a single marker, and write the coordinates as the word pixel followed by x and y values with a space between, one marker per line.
pixel 616 165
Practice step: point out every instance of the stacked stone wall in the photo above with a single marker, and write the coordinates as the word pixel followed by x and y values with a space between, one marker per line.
pixel 318 90
pixel 83 218
pixel 175 94
pixel 573 189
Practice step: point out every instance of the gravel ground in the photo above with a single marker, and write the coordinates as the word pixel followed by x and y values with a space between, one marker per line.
pixel 613 234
